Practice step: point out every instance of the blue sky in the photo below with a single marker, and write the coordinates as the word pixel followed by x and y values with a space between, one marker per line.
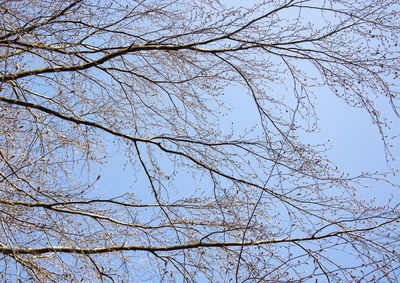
pixel 355 144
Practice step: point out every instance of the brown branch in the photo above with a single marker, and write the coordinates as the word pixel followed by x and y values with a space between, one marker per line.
pixel 195 245
pixel 45 22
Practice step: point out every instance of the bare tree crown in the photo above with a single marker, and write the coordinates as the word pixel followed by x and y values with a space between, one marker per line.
pixel 215 198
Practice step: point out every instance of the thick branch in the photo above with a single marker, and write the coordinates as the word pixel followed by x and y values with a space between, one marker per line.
pixel 195 245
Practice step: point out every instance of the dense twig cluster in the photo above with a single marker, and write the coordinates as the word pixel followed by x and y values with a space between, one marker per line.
pixel 213 200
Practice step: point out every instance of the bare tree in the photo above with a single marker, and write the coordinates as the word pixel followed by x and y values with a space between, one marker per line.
pixel 83 80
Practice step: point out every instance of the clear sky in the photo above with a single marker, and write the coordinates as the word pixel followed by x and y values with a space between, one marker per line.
pixel 276 191
pixel 355 144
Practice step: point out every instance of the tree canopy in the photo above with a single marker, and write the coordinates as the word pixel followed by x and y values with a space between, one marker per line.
pixel 216 196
